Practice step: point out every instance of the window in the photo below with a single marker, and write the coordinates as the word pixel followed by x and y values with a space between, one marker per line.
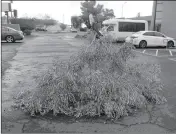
pixel 159 34
pixel 149 34
pixel 110 28
pixel 131 27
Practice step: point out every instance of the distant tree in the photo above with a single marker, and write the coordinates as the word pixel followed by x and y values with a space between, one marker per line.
pixel 45 20
pixel 63 26
pixel 138 14
pixel 90 7
pixel 108 13
pixel 76 21
pixel 25 23
pixel 48 21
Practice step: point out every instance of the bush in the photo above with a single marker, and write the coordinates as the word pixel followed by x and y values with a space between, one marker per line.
pixel 99 80
pixel 25 23
pixel 27 32
pixel 81 36
pixel 63 26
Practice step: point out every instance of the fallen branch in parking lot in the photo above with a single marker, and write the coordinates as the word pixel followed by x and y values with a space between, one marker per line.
pixel 99 80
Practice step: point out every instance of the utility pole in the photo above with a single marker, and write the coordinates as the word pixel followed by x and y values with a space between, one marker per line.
pixel 7 14
pixel 122 7
pixel 11 8
pixel 63 18
pixel 153 22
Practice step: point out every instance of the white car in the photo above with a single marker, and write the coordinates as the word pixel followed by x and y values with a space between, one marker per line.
pixel 143 39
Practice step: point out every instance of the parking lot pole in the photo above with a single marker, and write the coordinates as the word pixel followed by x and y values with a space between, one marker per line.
pixel 7 14
pixel 153 15
pixel 123 7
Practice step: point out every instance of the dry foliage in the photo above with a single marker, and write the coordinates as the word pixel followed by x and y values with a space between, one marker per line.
pixel 99 80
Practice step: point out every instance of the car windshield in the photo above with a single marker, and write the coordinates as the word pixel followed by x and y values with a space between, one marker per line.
pixel 11 29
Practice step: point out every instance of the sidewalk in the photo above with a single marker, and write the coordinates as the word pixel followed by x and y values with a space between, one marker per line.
pixel 32 58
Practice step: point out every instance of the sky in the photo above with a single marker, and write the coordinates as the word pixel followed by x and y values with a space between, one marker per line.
pixel 63 10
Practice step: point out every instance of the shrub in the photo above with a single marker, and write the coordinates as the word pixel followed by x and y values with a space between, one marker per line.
pixel 63 26
pixel 99 80
pixel 27 32
pixel 25 23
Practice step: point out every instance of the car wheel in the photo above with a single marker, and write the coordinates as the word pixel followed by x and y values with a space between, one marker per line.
pixel 10 39
pixel 170 44
pixel 143 44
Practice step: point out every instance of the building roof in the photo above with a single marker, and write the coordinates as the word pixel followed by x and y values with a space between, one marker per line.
pixel 148 18
pixel 114 21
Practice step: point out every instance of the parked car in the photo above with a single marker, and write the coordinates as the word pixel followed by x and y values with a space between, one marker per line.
pixel 143 39
pixel 73 30
pixel 11 35
pixel 40 29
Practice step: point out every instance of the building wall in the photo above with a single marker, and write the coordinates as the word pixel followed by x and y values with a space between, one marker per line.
pixel 4 20
pixel 168 25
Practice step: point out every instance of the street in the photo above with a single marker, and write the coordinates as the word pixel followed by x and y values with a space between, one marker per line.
pixel 22 62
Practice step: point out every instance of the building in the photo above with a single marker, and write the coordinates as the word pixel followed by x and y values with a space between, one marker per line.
pixel 3 20
pixel 6 8
pixel 164 17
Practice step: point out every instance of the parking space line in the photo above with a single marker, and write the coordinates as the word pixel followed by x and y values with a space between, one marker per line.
pixel 157 52
pixel 143 51
pixel 170 52
pixel 172 59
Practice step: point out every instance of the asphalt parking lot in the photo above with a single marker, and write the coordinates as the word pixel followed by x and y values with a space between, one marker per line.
pixel 167 60
pixel 43 48
pixel 9 50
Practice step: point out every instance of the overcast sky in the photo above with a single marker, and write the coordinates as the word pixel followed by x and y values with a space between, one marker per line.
pixel 63 10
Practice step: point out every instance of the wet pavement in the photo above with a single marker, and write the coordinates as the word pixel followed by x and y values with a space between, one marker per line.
pixel 35 56
pixel 9 50
pixel 167 59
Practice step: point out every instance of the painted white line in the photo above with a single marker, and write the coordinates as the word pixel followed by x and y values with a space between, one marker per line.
pixel 155 55
pixel 143 51
pixel 157 52
pixel 170 52
pixel 172 59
